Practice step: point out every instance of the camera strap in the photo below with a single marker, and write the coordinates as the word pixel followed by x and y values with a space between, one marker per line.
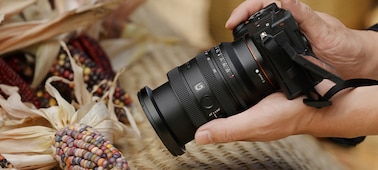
pixel 320 101
pixel 374 27
pixel 324 101
pixel 352 83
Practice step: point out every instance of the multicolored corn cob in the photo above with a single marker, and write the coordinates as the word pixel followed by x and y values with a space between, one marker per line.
pixel 80 146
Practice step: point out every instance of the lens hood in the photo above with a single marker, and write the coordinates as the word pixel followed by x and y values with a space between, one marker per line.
pixel 157 121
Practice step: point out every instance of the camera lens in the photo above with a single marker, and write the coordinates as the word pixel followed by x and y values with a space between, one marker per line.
pixel 220 82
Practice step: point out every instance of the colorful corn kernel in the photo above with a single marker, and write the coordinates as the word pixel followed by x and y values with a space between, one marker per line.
pixel 93 74
pixel 86 151
pixel 10 77
pixel 18 70
pixel 95 52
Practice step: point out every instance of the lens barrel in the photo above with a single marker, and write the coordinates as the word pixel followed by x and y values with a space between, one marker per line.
pixel 217 83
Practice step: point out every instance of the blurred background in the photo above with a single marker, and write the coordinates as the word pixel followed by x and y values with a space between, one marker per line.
pixel 201 23
pixel 354 14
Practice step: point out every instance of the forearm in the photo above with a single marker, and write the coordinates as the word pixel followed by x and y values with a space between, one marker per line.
pixel 353 113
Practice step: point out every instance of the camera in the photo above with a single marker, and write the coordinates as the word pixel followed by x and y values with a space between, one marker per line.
pixel 268 54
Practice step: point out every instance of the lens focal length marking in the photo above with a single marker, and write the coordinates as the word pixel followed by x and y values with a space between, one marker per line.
pixel 224 63
pixel 209 60
pixel 229 77
pixel 213 75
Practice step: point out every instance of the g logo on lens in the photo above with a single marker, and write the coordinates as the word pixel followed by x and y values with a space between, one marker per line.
pixel 199 86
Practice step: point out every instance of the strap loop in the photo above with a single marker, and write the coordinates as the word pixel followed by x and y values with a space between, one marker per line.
pixel 352 83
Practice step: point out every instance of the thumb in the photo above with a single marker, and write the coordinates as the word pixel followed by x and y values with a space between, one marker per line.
pixel 243 126
pixel 217 131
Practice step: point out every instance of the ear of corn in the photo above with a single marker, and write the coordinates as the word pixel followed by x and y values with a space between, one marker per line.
pixel 80 146
pixel 10 77
pixel 95 52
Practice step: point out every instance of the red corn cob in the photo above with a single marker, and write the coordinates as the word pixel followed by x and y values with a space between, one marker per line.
pixel 93 49
pixel 9 77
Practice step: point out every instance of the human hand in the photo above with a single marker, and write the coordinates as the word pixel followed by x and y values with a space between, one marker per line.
pixel 276 117
pixel 350 51
pixel 353 114
pixel 272 118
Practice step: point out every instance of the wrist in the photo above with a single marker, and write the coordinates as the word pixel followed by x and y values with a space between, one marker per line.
pixel 353 113
pixel 310 122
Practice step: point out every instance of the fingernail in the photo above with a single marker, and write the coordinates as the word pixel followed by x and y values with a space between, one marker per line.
pixel 229 21
pixel 203 137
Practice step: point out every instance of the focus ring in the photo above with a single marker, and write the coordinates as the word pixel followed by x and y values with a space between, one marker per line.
pixel 186 99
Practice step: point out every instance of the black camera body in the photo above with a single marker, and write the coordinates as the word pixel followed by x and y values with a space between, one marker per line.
pixel 273 29
pixel 269 54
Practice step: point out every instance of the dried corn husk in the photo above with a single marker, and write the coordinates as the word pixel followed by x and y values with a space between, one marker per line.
pixel 34 26
pixel 44 51
pixel 27 133
pixel 12 7
pixel 36 31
